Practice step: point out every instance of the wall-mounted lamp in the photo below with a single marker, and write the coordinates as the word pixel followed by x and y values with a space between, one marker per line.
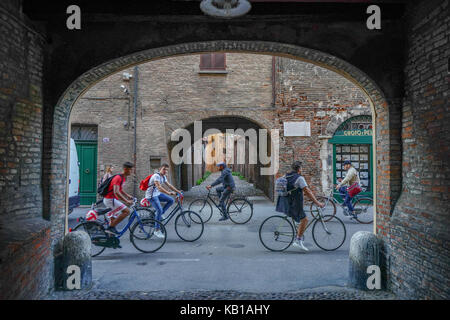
pixel 225 8
pixel 126 76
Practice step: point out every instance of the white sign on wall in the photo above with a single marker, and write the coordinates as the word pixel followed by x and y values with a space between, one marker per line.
pixel 297 129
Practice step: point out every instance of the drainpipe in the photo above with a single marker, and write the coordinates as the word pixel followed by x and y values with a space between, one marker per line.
pixel 273 81
pixel 135 99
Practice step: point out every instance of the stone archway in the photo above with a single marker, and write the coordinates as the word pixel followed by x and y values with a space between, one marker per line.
pixel 223 120
pixel 378 102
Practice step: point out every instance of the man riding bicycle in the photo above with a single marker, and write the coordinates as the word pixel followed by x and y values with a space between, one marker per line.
pixel 293 203
pixel 117 199
pixel 350 178
pixel 228 186
pixel 156 194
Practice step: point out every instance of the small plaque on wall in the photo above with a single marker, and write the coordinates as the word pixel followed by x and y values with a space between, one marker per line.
pixel 106 139
pixel 297 129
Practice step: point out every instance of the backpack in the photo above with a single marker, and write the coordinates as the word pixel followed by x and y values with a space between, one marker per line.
pixel 144 183
pixel 104 186
pixel 281 186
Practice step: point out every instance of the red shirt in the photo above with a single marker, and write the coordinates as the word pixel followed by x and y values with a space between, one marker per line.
pixel 116 181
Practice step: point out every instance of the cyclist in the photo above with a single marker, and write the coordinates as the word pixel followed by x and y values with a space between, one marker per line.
pixel 228 186
pixel 117 199
pixel 350 178
pixel 156 194
pixel 293 203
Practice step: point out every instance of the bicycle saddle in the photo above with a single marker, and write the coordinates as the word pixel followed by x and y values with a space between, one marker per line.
pixel 103 210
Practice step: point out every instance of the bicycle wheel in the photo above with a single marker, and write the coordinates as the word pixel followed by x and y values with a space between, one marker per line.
pixel 203 208
pixel 276 233
pixel 363 210
pixel 329 233
pixel 189 226
pixel 330 207
pixel 240 210
pixel 93 229
pixel 142 236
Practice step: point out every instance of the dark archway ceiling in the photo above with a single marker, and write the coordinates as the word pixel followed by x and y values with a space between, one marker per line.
pixel 351 9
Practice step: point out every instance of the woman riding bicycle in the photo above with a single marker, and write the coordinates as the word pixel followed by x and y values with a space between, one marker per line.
pixel 350 179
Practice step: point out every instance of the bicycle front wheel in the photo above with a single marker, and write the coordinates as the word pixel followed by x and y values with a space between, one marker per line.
pixel 330 207
pixel 189 226
pixel 94 230
pixel 142 236
pixel 240 211
pixel 363 210
pixel 329 233
pixel 276 233
pixel 203 208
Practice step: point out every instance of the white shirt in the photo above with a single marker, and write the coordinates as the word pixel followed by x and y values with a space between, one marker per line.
pixel 152 190
pixel 300 183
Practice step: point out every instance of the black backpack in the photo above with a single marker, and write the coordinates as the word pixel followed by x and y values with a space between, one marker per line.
pixel 103 187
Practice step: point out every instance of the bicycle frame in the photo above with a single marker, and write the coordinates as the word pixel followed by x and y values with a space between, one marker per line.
pixel 319 216
pixel 332 198
pixel 208 197
pixel 134 215
pixel 178 207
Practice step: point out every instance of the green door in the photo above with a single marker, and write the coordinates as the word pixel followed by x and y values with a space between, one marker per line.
pixel 87 156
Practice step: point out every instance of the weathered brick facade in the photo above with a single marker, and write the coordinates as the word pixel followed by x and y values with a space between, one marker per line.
pixel 25 253
pixel 407 86
pixel 417 234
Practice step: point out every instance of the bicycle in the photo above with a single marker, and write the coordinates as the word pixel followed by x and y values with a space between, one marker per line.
pixel 239 210
pixel 277 233
pixel 187 221
pixel 141 230
pixel 361 205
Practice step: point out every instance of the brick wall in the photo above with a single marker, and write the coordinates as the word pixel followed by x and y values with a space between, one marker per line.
pixel 417 235
pixel 25 267
pixel 325 99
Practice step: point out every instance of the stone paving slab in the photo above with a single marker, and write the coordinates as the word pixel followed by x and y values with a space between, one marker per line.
pixel 322 293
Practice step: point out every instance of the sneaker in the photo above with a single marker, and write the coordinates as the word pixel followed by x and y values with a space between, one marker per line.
pixel 223 218
pixel 112 230
pixel 299 244
pixel 345 211
pixel 159 234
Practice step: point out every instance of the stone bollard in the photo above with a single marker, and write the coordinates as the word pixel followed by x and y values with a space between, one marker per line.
pixel 364 252
pixel 73 264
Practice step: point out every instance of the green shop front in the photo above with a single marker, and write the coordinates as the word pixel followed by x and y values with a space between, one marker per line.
pixel 352 141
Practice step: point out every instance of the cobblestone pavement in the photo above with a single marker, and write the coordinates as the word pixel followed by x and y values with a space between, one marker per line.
pixel 243 188
pixel 323 293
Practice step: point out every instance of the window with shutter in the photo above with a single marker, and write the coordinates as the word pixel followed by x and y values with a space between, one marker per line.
pixel 212 61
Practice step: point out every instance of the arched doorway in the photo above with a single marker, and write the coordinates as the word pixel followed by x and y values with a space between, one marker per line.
pixel 187 174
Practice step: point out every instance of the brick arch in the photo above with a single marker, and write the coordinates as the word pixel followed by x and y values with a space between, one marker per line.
pixel 333 125
pixel 254 117
pixel 378 102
